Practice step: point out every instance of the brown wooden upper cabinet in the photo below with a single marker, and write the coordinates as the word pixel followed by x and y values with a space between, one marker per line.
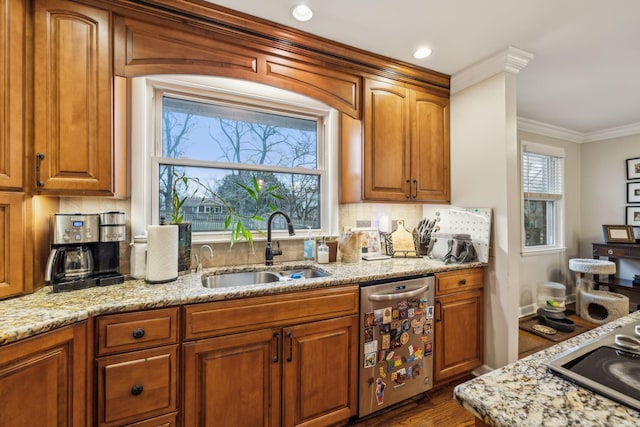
pixel 12 89
pixel 406 144
pixel 75 150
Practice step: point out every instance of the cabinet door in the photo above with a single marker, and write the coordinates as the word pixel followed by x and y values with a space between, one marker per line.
pixel 459 345
pixel 320 372
pixel 42 380
pixel 430 178
pixel 233 380
pixel 12 87
pixel 12 243
pixel 72 98
pixel 386 142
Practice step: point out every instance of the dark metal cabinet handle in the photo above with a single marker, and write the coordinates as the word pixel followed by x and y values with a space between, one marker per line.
pixel 290 336
pixel 408 182
pixel 277 337
pixel 462 282
pixel 415 194
pixel 136 390
pixel 138 333
pixel 39 158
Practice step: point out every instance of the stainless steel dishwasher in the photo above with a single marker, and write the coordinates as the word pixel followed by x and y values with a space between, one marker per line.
pixel 396 341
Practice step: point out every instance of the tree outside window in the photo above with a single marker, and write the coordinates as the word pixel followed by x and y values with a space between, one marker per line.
pixel 226 146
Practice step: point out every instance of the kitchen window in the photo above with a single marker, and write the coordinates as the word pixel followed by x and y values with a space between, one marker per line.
pixel 227 137
pixel 542 201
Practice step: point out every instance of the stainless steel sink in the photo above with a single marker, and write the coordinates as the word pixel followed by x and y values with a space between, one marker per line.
pixel 302 273
pixel 226 280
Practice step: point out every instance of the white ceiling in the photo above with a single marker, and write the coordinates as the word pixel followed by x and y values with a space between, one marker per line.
pixel 585 74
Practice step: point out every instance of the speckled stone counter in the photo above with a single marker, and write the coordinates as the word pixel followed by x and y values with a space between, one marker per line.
pixel 526 394
pixel 44 310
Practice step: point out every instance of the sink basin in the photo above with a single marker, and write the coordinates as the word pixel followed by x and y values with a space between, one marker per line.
pixel 302 273
pixel 226 280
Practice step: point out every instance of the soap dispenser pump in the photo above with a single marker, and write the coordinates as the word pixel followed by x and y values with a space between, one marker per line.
pixel 323 253
pixel 309 244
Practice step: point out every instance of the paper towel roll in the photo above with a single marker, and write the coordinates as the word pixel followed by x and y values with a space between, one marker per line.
pixel 162 253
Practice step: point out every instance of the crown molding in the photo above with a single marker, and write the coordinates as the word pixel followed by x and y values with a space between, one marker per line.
pixel 528 125
pixel 618 132
pixel 511 60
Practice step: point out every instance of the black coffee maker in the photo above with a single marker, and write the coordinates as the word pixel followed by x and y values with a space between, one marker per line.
pixel 84 252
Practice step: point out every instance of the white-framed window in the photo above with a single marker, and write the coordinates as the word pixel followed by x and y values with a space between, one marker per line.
pixel 542 169
pixel 226 133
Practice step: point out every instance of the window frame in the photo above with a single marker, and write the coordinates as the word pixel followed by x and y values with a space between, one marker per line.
pixel 557 200
pixel 146 91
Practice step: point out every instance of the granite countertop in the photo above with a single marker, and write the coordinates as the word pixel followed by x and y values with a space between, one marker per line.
pixel 525 393
pixel 42 311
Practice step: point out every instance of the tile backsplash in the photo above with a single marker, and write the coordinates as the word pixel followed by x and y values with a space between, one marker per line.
pixel 350 215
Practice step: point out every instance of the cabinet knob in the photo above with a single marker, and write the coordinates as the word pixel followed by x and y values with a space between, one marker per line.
pixel 462 282
pixel 136 390
pixel 610 251
pixel 138 333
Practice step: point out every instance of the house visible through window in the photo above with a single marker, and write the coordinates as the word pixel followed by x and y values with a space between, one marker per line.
pixel 542 188
pixel 228 145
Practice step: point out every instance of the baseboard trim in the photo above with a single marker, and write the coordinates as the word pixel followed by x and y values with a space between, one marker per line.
pixel 482 370
pixel 530 309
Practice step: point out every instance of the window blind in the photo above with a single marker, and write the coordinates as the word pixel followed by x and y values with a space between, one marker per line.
pixel 541 176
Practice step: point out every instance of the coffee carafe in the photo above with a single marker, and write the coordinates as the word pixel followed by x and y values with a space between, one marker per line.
pixel 71 260
pixel 75 262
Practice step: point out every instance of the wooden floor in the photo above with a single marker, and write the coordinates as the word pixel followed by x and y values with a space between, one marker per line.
pixel 437 408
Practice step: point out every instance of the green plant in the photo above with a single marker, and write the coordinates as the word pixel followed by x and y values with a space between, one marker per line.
pixel 234 220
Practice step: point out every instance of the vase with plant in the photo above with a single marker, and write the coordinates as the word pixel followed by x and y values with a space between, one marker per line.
pixel 186 187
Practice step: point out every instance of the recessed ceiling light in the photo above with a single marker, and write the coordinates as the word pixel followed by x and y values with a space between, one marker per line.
pixel 302 12
pixel 422 53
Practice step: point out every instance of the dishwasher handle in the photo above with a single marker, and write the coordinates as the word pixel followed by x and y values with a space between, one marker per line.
pixel 394 296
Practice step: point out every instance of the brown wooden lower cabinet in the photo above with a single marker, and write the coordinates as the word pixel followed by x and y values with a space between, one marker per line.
pixel 235 378
pixel 320 372
pixel 137 385
pixel 303 375
pixel 299 368
pixel 170 420
pixel 137 368
pixel 43 380
pixel 459 338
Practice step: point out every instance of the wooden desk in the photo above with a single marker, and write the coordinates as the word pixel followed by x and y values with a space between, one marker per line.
pixel 615 252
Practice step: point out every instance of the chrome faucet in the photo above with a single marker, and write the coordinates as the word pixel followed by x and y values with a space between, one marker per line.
pixel 270 252
pixel 199 257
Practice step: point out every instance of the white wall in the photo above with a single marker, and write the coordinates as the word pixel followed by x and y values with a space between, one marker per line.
pixel 604 196
pixel 484 173
pixel 604 188
pixel 554 267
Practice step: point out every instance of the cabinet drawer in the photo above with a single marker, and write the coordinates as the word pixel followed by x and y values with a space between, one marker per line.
pixel 609 252
pixel 162 421
pixel 137 385
pixel 225 317
pixel 133 331
pixel 458 281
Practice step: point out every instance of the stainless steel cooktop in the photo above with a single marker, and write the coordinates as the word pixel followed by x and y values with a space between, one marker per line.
pixel 608 365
